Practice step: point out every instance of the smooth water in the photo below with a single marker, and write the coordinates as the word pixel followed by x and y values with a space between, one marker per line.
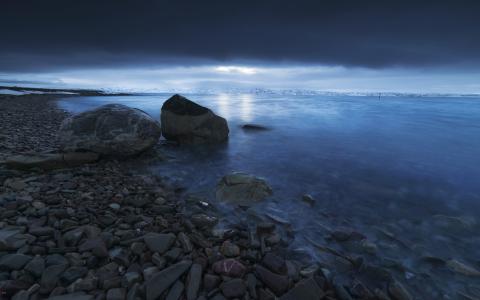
pixel 391 168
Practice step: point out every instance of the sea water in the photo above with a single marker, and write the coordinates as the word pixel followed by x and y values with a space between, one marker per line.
pixel 402 170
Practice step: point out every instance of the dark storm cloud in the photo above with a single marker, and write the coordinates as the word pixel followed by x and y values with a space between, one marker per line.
pixel 51 34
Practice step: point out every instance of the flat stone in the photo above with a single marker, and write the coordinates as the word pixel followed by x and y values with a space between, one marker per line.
pixel 36 266
pixel 159 242
pixel 274 263
pixel 175 291
pixel 234 288
pixel 14 261
pixel 306 289
pixel 165 278
pixel 277 283
pixel 116 294
pixel 193 282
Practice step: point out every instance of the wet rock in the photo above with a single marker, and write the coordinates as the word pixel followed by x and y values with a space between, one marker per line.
pixel 50 277
pixel 229 267
pixel 175 291
pixel 242 189
pixel 159 242
pixel 185 121
pixel 277 283
pixel 116 294
pixel 461 268
pixel 274 263
pixel 398 292
pixel 185 242
pixel 234 288
pixel 308 199
pixel 193 282
pixel 36 266
pixel 306 289
pixel 96 245
pixel 203 220
pixel 111 129
pixel 254 127
pixel 72 274
pixel 14 261
pixel 210 282
pixel 229 249
pixel 165 278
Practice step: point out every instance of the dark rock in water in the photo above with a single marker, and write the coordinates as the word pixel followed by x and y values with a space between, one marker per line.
pixel 202 220
pixel 193 282
pixel 307 289
pixel 229 267
pixel 234 288
pixel 277 283
pixel 112 129
pixel 275 263
pixel 164 279
pixel 254 127
pixel 242 189
pixel 398 292
pixel 185 121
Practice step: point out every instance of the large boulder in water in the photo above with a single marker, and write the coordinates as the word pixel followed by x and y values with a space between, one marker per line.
pixel 242 189
pixel 112 130
pixel 187 122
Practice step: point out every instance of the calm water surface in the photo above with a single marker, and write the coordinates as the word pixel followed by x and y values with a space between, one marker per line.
pixel 391 168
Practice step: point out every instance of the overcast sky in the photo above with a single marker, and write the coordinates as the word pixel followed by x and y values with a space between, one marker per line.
pixel 420 46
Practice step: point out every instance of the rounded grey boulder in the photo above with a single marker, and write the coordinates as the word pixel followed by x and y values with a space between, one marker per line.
pixel 186 122
pixel 242 189
pixel 112 130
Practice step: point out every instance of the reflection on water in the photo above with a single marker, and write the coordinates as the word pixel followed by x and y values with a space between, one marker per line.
pixel 403 171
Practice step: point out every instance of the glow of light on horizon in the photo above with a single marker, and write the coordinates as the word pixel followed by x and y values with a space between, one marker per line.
pixel 236 69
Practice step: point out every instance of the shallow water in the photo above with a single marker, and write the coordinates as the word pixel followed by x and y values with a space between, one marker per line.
pixel 386 167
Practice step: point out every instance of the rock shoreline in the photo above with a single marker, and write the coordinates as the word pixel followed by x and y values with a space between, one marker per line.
pixel 105 230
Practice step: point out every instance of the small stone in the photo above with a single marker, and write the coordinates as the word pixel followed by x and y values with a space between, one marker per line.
pixel 159 242
pixel 116 294
pixel 72 274
pixel 175 291
pixel 50 277
pixel 308 199
pixel 36 266
pixel 277 283
pixel 130 278
pixel 193 282
pixel 229 249
pixel 159 261
pixel 229 267
pixel 14 261
pixel 185 242
pixel 210 282
pixel 164 279
pixel 234 288
pixel 96 246
pixel 274 263
pixel 114 206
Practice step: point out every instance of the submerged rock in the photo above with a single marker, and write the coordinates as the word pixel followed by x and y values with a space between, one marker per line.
pixel 242 189
pixel 254 127
pixel 462 268
pixel 185 121
pixel 112 129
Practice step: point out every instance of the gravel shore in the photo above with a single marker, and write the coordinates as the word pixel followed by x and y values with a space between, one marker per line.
pixel 110 231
